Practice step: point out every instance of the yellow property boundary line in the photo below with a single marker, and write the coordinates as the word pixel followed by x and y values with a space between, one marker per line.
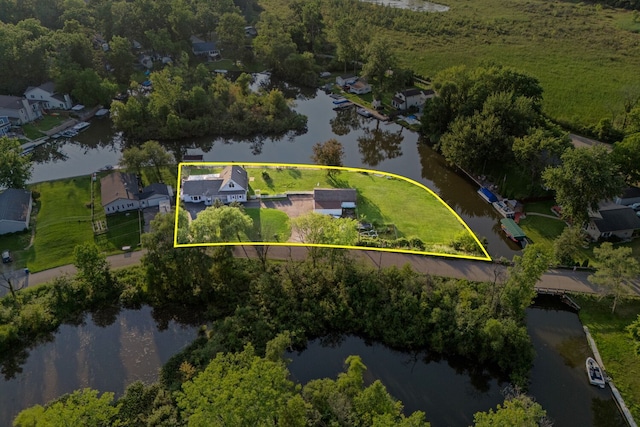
pixel 486 256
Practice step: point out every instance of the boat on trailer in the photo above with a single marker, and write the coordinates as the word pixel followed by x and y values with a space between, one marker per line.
pixel 596 377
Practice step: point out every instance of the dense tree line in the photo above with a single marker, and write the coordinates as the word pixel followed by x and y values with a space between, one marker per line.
pixel 251 302
pixel 187 103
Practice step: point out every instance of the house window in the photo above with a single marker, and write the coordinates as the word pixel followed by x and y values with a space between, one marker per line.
pixel 231 185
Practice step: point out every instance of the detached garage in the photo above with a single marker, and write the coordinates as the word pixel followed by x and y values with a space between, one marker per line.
pixel 15 210
pixel 337 202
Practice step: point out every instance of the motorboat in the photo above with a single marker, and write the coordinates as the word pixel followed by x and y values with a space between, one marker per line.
pixel 364 112
pixel 504 209
pixel 487 195
pixel 79 127
pixel 596 377
pixel 69 133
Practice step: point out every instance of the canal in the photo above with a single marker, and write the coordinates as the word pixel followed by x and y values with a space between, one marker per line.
pixel 367 143
pixel 108 351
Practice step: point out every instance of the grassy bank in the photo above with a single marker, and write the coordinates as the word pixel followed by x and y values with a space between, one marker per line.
pixel 621 361
pixel 269 225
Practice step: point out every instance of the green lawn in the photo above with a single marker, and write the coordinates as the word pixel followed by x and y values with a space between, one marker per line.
pixel 621 362
pixel 541 230
pixel 64 221
pixel 35 130
pixel 16 243
pixel 381 200
pixel 123 230
pixel 269 225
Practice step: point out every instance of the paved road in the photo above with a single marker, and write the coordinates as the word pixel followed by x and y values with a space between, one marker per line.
pixel 568 280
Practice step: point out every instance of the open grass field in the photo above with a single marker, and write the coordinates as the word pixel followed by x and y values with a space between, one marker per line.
pixel 64 221
pixel 542 230
pixel 586 57
pixel 269 225
pixel 381 199
pixel 621 361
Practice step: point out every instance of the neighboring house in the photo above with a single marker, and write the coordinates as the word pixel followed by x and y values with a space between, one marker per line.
pixel 337 202
pixel 360 87
pixel 19 110
pixel 630 196
pixel 613 220
pixel 145 60
pixel 120 192
pixel 15 210
pixel 346 79
pixel 202 48
pixel 411 98
pixel 47 95
pixel 230 185
pixel 5 126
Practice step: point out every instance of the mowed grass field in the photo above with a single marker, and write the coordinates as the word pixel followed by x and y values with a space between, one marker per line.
pixel 586 56
pixel 414 211
pixel 64 221
pixel 269 225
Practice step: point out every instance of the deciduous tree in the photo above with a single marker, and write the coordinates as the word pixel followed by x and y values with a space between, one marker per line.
pixel 616 268
pixel 220 225
pixel 585 177
pixel 15 169
pixel 538 149
pixel 520 411
pixel 626 154
pixel 231 34
pixel 567 245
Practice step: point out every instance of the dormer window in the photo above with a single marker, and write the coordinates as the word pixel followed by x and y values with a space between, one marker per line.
pixel 231 185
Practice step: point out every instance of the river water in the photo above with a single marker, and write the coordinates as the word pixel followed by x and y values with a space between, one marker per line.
pixel 450 390
pixel 110 350
pixel 107 352
pixel 367 143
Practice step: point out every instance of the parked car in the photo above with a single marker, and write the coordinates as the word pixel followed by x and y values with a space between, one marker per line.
pixel 6 257
pixel 635 206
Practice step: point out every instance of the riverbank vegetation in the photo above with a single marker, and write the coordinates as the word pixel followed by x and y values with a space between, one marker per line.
pixel 247 301
pixel 616 345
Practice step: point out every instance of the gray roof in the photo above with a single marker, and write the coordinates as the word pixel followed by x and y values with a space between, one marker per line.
pixel 11 102
pixel 332 198
pixel 153 189
pixel 14 205
pixel 237 174
pixel 204 187
pixel 118 185
pixel 617 219
pixel 200 47
pixel 47 87
pixel 411 92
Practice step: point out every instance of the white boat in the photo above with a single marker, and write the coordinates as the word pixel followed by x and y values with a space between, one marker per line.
pixel 596 377
pixel 79 127
pixel 364 112
pixel 504 209
pixel 103 112
pixel 69 133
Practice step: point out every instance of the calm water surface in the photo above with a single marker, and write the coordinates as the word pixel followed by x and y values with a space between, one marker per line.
pixel 107 352
pixel 451 391
pixel 367 143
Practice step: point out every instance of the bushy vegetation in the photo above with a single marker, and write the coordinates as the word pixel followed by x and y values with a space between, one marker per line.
pixel 196 104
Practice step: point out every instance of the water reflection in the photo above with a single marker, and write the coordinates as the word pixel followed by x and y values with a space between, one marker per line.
pixel 110 349
pixel 450 390
pixel 377 144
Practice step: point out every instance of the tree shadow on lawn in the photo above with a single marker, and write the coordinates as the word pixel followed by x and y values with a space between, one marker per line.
pixel 367 211
pixel 294 173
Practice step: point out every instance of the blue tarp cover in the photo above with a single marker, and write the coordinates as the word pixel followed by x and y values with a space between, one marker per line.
pixel 488 194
